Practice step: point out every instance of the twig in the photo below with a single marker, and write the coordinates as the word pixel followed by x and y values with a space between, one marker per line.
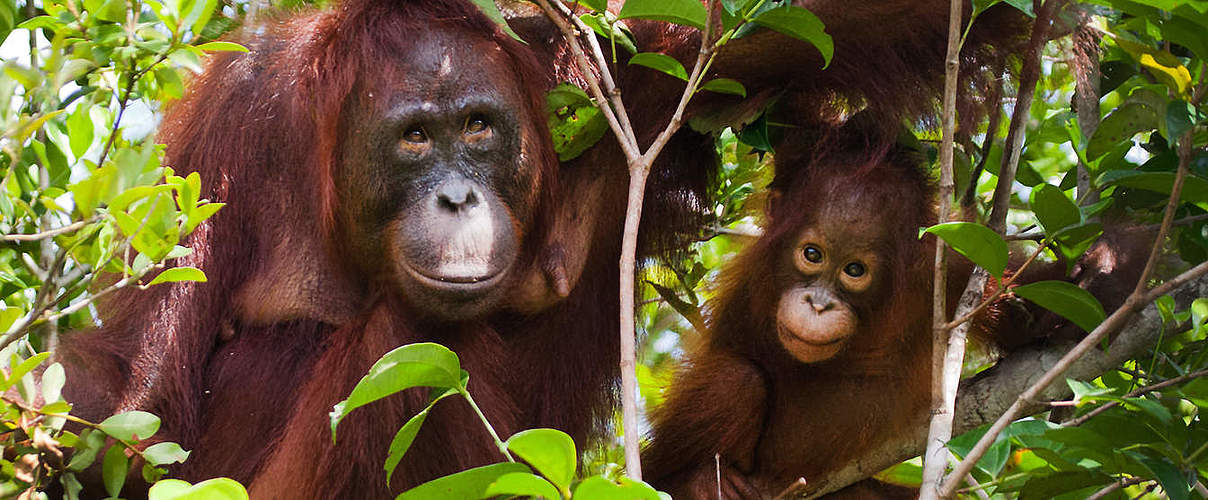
pixel 1178 222
pixel 1116 486
pixel 50 233
pixel 1138 298
pixel 797 485
pixel 571 35
pixel 1144 390
pixel 943 341
pixel 1029 76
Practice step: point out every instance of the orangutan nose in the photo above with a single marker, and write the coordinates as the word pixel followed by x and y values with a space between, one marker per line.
pixel 456 196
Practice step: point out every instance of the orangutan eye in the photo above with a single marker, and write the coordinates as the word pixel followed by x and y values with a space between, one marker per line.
pixel 812 254
pixel 854 269
pixel 415 135
pixel 476 124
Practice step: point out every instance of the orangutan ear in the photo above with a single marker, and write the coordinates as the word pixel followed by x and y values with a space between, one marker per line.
pixel 774 199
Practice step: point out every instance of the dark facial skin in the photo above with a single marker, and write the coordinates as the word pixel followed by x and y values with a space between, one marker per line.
pixel 435 191
pixel 832 272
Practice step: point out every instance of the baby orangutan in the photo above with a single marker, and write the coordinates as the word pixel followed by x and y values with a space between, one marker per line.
pixel 819 343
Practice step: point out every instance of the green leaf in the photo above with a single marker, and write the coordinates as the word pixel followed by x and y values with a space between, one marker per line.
pixel 176 274
pixel 606 25
pixel 8 17
pixel 601 488
pixel 131 425
pixel 1065 299
pixel 20 369
pixel 1120 125
pixel 219 488
pixel 414 365
pixel 114 468
pixel 661 62
pixel 1024 6
pixel 489 9
pixel 979 243
pixel 596 5
pixel 79 131
pixel 1053 208
pixel 90 443
pixel 224 46
pixel 522 484
pixel 684 12
pixel 169 81
pixel 725 86
pixel 1195 188
pixel 1174 482
pixel 1181 116
pixel 472 483
pixel 53 379
pixel 573 120
pixel 801 24
pixel 550 451
pixel 406 435
pixel 165 453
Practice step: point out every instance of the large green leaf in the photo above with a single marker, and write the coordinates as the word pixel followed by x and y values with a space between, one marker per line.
pixel 550 451
pixel 219 488
pixel 1195 188
pixel 601 488
pixel 1053 208
pixel 522 484
pixel 574 121
pixel 1120 125
pixel 414 365
pixel 472 483
pixel 661 62
pixel 685 12
pixel 801 24
pixel 1065 299
pixel 114 468
pixel 979 243
pixel 131 425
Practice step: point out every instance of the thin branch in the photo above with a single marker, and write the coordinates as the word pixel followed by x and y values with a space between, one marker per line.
pixel 1144 390
pixel 1029 76
pixel 571 35
pixel 610 87
pixel 1137 299
pixel 944 341
pixel 1116 486
pixel 50 233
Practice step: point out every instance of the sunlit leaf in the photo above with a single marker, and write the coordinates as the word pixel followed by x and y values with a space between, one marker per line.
pixel 550 451
pixel 472 483
pixel 685 12
pixel 801 24
pixel 413 365
pixel 979 243
pixel 131 425
pixel 660 62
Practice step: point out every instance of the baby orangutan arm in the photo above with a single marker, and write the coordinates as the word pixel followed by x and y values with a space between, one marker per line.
pixel 718 404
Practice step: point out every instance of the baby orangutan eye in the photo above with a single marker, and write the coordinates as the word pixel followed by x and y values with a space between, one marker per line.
pixel 854 269
pixel 812 254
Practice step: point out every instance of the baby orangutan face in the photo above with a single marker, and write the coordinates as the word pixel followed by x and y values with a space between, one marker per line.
pixel 835 268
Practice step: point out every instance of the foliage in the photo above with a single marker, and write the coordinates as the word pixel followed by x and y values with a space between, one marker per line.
pixel 83 192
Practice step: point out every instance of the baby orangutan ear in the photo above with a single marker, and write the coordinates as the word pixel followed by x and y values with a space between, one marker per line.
pixel 774 199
